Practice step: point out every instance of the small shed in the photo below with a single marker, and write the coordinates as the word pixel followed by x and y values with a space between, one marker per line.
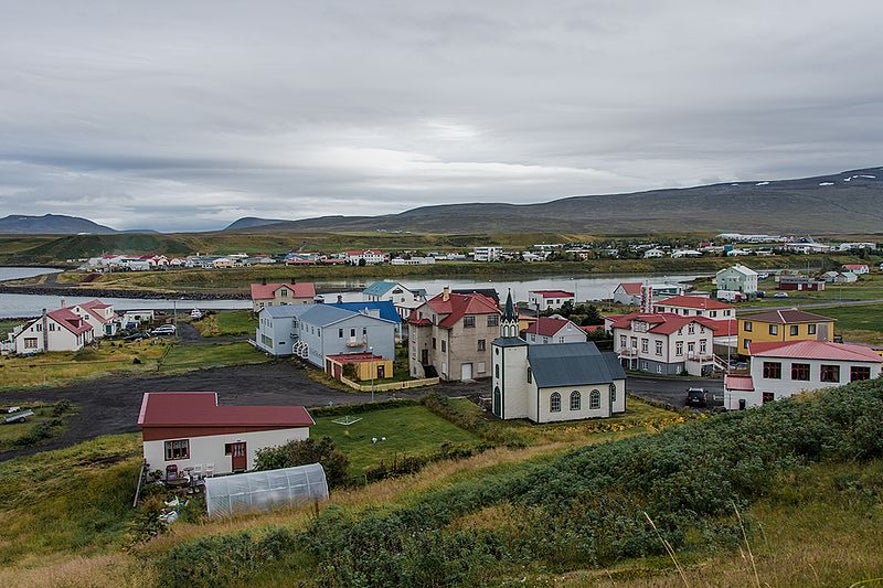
pixel 263 490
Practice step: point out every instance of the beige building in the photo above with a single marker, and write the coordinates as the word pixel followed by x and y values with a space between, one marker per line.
pixel 450 336
pixel 264 294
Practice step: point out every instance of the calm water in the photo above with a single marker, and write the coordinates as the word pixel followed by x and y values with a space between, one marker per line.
pixel 585 288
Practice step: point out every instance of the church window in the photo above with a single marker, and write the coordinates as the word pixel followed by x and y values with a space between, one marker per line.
pixel 576 400
pixel 555 402
pixel 595 399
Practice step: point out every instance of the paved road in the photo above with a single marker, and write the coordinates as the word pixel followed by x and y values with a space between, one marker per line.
pixel 673 391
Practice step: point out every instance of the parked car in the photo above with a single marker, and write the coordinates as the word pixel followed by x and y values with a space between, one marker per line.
pixel 697 397
pixel 137 336
pixel 164 330
pixel 780 295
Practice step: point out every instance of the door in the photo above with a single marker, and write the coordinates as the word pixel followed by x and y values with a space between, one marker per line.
pixel 237 452
pixel 466 371
pixel 424 356
pixel 381 371
pixel 768 397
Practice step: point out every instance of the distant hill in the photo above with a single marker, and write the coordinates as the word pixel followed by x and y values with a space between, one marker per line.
pixel 847 202
pixel 250 222
pixel 50 224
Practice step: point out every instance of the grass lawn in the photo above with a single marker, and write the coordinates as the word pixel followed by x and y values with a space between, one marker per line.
pixel 857 323
pixel 409 430
pixel 56 369
pixel 45 417
pixel 226 323
pixel 193 357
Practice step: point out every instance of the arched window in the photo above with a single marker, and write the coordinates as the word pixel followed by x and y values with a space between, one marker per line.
pixel 576 400
pixel 612 393
pixel 498 402
pixel 555 402
pixel 595 399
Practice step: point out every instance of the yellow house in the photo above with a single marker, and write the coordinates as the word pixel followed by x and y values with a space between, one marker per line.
pixel 783 325
pixel 367 366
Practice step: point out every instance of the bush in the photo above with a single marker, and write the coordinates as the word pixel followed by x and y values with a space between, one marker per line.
pixel 296 453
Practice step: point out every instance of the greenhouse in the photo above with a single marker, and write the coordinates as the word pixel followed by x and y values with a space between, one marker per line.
pixel 264 490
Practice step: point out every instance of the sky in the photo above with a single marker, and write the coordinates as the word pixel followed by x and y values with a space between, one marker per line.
pixel 185 115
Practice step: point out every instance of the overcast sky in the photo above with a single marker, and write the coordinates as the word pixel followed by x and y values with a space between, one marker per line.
pixel 188 115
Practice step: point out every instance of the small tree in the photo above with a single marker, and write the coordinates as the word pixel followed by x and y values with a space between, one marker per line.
pixel 296 453
pixel 349 371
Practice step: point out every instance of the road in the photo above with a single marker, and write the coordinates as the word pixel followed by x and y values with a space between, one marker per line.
pixel 673 391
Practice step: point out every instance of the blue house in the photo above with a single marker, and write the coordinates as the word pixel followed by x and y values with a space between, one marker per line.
pixel 383 309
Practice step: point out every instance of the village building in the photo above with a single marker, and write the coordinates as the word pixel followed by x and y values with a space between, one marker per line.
pixel 100 315
pixel 737 278
pixel 57 330
pixel 782 326
pixel 281 294
pixel 665 343
pixel 543 300
pixel 696 306
pixel 403 298
pixel 553 329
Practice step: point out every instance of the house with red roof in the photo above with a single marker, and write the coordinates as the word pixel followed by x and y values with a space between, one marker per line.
pixel 554 329
pixel 628 293
pixel 100 315
pixel 549 299
pixel 450 336
pixel 858 269
pixel 696 306
pixel 664 343
pixel 281 294
pixel 57 330
pixel 190 431
pixel 781 369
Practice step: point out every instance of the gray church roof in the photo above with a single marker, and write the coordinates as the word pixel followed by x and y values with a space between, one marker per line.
pixel 572 364
pixel 509 342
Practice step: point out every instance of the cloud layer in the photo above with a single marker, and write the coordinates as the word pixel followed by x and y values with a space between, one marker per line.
pixel 187 117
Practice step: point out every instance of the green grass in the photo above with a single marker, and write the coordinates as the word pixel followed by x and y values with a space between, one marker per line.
pixel 409 430
pixel 74 500
pixel 226 323
pixel 44 415
pixel 193 357
pixel 862 323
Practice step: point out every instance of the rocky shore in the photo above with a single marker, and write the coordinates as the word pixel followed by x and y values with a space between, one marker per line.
pixel 113 293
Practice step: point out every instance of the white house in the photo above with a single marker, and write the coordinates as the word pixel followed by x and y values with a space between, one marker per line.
pixel 654 253
pixel 487 253
pixel 782 369
pixel 189 431
pixel 628 293
pixel 281 294
pixel 57 330
pixel 664 343
pixel 555 329
pixel 404 299
pixel 737 278
pixel 100 315
pixel 696 306
pixel 549 299
pixel 858 269
pixel 555 382
pixel 686 253
pixel 412 261
pixel 365 257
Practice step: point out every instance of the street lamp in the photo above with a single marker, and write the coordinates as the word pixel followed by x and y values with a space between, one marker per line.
pixel 373 372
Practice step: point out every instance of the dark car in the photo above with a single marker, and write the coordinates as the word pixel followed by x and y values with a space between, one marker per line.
pixel 697 397
pixel 137 336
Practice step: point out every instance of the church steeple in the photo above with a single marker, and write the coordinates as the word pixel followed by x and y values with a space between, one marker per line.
pixel 509 322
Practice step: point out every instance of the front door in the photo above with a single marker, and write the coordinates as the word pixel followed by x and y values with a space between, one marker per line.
pixel 465 371
pixel 424 357
pixel 381 372
pixel 238 454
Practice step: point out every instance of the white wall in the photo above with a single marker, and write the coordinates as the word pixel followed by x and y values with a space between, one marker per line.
pixel 516 392
pixel 545 397
pixel 210 449
pixel 785 386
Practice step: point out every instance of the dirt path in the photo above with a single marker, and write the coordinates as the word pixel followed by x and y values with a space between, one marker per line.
pixel 110 405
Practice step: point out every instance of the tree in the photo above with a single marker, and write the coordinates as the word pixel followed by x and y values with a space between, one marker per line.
pixel 296 453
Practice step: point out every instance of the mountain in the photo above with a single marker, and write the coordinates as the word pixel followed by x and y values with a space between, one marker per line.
pixel 50 224
pixel 847 202
pixel 250 222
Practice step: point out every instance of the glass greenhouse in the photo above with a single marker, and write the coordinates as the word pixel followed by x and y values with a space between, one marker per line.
pixel 263 490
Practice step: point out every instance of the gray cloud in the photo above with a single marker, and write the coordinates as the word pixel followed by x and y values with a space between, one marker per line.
pixel 189 116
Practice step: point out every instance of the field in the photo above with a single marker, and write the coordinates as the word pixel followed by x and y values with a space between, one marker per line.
pixel 860 324
pixel 183 358
pixel 226 323
pixel 47 422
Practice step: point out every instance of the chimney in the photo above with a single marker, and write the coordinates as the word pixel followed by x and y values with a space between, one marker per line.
pixel 62 303
pixel 340 298
pixel 446 294
pixel 293 281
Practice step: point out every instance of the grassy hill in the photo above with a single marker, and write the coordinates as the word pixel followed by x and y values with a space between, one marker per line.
pixel 788 494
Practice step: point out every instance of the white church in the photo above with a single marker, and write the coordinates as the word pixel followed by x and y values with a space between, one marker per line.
pixel 554 382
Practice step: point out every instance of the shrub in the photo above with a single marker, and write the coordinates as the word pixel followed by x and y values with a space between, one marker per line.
pixel 296 453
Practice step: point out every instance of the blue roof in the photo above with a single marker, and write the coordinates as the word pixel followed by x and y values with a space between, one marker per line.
pixel 572 364
pixel 387 308
pixel 379 288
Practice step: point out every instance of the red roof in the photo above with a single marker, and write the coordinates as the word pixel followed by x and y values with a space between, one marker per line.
pixel 355 357
pixel 592 328
pixel 547 326
pixel 725 328
pixel 740 383
pixel 268 291
pixel 70 321
pixel 815 350
pixel 553 293
pixel 663 323
pixel 697 302
pixel 200 409
pixel 854 266
pixel 458 305
pixel 631 288
pixel 93 306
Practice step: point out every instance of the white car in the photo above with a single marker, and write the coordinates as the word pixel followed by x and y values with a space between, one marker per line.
pixel 780 295
pixel 164 330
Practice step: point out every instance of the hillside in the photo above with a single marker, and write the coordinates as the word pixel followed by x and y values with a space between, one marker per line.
pixel 848 202
pixel 50 224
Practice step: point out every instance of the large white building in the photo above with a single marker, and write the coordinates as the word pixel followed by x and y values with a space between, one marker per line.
pixel 737 278
pixel 782 369
pixel 664 343
pixel 696 306
pixel 549 299
pixel 56 330
pixel 487 253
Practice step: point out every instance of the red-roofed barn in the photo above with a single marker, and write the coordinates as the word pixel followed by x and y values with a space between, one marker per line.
pixel 190 430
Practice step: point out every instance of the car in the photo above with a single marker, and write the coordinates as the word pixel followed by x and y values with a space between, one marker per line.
pixel 780 295
pixel 697 397
pixel 168 329
pixel 137 336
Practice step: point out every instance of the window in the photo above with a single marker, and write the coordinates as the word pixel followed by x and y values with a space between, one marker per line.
pixel 493 320
pixel 772 370
pixel 469 321
pixel 576 400
pixel 612 393
pixel 177 449
pixel 340 333
pixel 497 371
pixel 561 339
pixel 283 293
pixel 703 347
pixel 811 329
pixel 433 342
pixel 830 373
pixel 51 326
pixel 622 342
pixel 364 330
pixel 30 342
pixel 481 367
pixel 595 399
pixel 747 326
pixel 713 313
pixel 555 402
pixel 444 346
pixel 858 372
pixel 645 344
pixel 793 330
pixel 774 329
pixel 481 344
pixel 659 348
pixel 352 332
pixel 691 328
pixel 529 376
pixel 800 372
pixel 746 343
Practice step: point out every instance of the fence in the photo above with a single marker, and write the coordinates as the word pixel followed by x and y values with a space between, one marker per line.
pixel 390 386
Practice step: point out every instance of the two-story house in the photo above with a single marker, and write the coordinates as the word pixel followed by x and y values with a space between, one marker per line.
pixel 628 293
pixel 449 336
pixel 404 299
pixel 100 315
pixel 546 330
pixel 696 306
pixel 281 294
pixel 544 300
pixel 781 326
pixel 365 257
pixel 56 330
pixel 737 278
pixel 664 343
pixel 781 369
